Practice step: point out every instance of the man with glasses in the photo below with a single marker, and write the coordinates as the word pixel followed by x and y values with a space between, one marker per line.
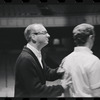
pixel 31 71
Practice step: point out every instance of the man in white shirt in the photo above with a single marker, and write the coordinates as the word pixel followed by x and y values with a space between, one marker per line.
pixel 82 65
pixel 31 72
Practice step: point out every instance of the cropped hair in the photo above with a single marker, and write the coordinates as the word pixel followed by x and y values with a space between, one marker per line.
pixel 81 33
pixel 27 33
pixel 29 30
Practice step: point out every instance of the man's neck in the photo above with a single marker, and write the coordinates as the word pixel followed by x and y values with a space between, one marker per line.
pixel 35 46
pixel 88 45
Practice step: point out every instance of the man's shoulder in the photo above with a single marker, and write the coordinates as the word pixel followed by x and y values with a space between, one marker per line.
pixel 95 57
pixel 25 56
pixel 88 57
pixel 67 57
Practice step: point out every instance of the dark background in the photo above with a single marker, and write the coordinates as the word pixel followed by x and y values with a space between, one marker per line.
pixel 12 39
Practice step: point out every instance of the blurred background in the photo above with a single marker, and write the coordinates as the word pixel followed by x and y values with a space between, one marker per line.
pixel 58 16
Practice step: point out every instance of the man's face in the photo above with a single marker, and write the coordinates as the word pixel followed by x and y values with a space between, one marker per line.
pixel 42 36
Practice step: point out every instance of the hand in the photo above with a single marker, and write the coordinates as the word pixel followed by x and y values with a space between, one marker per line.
pixel 66 81
pixel 61 70
pixel 66 75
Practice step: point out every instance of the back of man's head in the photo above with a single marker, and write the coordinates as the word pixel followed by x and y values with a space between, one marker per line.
pixel 81 33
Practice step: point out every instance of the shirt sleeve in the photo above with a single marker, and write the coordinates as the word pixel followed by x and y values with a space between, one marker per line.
pixel 94 75
pixel 65 65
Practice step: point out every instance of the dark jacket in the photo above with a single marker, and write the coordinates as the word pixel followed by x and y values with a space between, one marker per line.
pixel 30 78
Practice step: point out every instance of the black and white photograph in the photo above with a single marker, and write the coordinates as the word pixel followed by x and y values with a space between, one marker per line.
pixel 49 49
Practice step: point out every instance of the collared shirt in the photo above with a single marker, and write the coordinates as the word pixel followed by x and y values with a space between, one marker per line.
pixel 36 52
pixel 84 68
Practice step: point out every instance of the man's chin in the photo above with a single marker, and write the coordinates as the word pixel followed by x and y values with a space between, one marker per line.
pixel 45 44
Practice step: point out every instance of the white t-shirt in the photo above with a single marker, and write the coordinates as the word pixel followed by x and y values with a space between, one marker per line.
pixel 84 68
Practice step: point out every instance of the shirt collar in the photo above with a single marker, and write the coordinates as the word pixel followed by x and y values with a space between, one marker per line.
pixel 83 49
pixel 34 50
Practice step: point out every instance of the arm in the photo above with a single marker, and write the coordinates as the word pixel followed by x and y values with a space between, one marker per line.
pixel 94 78
pixel 32 83
pixel 52 74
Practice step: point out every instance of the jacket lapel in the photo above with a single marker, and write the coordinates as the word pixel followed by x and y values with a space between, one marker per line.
pixel 35 60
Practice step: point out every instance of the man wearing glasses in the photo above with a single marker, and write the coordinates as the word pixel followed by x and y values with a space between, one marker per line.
pixel 31 72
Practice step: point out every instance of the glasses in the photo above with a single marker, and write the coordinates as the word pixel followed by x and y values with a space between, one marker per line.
pixel 43 33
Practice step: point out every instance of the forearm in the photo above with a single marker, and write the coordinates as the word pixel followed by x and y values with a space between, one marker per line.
pixel 36 87
pixel 52 74
pixel 48 91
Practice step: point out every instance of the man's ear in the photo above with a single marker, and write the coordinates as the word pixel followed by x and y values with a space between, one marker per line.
pixel 91 37
pixel 32 35
pixel 33 38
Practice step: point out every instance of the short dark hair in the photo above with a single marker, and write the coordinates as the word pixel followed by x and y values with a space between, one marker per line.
pixel 81 33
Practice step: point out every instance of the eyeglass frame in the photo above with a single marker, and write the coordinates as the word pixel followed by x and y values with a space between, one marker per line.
pixel 39 33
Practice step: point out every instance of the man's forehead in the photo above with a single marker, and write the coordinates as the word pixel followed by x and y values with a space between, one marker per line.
pixel 39 28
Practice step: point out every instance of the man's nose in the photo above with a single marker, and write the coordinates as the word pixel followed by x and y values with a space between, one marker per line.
pixel 48 35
